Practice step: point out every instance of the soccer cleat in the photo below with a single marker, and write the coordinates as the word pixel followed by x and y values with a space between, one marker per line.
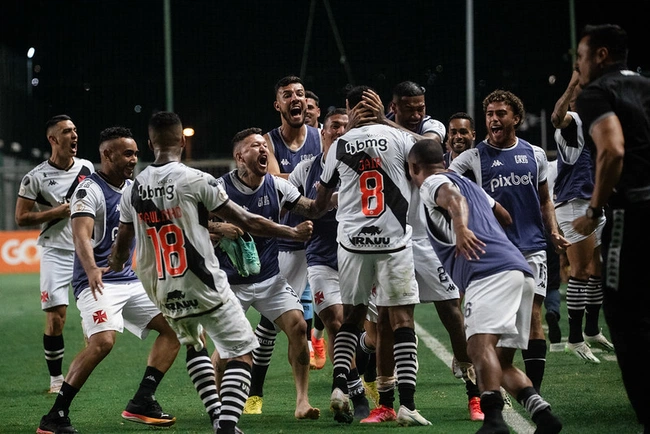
pixel 319 356
pixel 371 391
pixel 380 414
pixel 406 417
pixel 494 427
pixel 547 422
pixel 554 332
pixel 250 258
pixel 55 424
pixel 55 385
pixel 474 406
pixel 215 426
pixel 581 351
pixel 233 250
pixel 600 340
pixel 253 405
pixel 361 407
pixel 148 412
pixel 340 406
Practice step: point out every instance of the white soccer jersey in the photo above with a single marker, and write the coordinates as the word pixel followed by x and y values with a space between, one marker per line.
pixel 168 206
pixel 374 192
pixel 50 187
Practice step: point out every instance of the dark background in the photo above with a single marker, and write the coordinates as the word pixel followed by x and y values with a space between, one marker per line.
pixel 99 60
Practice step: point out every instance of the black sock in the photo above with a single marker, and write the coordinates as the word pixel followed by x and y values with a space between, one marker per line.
pixel 535 361
pixel 472 389
pixel 371 369
pixel 54 349
pixel 576 299
pixel 492 405
pixel 318 323
pixel 64 399
pixel 594 301
pixel 152 377
pixel 363 354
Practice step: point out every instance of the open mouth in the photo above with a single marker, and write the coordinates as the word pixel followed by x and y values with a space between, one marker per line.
pixel 263 160
pixel 296 111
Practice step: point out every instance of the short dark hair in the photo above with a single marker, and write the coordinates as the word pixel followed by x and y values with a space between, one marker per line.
pixel 426 152
pixel 163 120
pixel 610 36
pixel 463 115
pixel 408 88
pixel 241 135
pixel 312 95
pixel 114 133
pixel 55 120
pixel 510 99
pixel 286 81
pixel 355 95
pixel 336 111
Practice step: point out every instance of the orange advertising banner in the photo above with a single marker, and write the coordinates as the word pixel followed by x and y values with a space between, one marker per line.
pixel 19 252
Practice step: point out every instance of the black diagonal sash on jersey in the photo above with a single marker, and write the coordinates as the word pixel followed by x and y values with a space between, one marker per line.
pixel 393 197
pixel 195 262
pixel 83 172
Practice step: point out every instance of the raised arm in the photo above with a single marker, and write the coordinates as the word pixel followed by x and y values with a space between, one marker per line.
pixel 559 118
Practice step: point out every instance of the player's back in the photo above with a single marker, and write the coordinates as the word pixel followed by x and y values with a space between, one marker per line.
pixel 374 192
pixel 169 207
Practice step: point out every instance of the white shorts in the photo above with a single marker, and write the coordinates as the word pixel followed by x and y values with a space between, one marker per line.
pixel 293 266
pixel 121 305
pixel 433 281
pixel 227 326
pixel 392 273
pixel 324 283
pixel 56 275
pixel 500 304
pixel 568 212
pixel 271 297
pixel 537 262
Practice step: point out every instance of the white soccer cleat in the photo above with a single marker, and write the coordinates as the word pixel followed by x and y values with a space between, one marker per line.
pixel 581 351
pixel 406 417
pixel 599 340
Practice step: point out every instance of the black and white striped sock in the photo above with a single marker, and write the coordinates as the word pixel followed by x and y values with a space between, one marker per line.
pixel 201 372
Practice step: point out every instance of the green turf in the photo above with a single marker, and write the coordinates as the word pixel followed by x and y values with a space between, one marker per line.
pixel 588 398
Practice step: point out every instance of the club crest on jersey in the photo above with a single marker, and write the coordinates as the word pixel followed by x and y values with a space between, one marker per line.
pixel 521 159
pixel 367 236
pixel 263 201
